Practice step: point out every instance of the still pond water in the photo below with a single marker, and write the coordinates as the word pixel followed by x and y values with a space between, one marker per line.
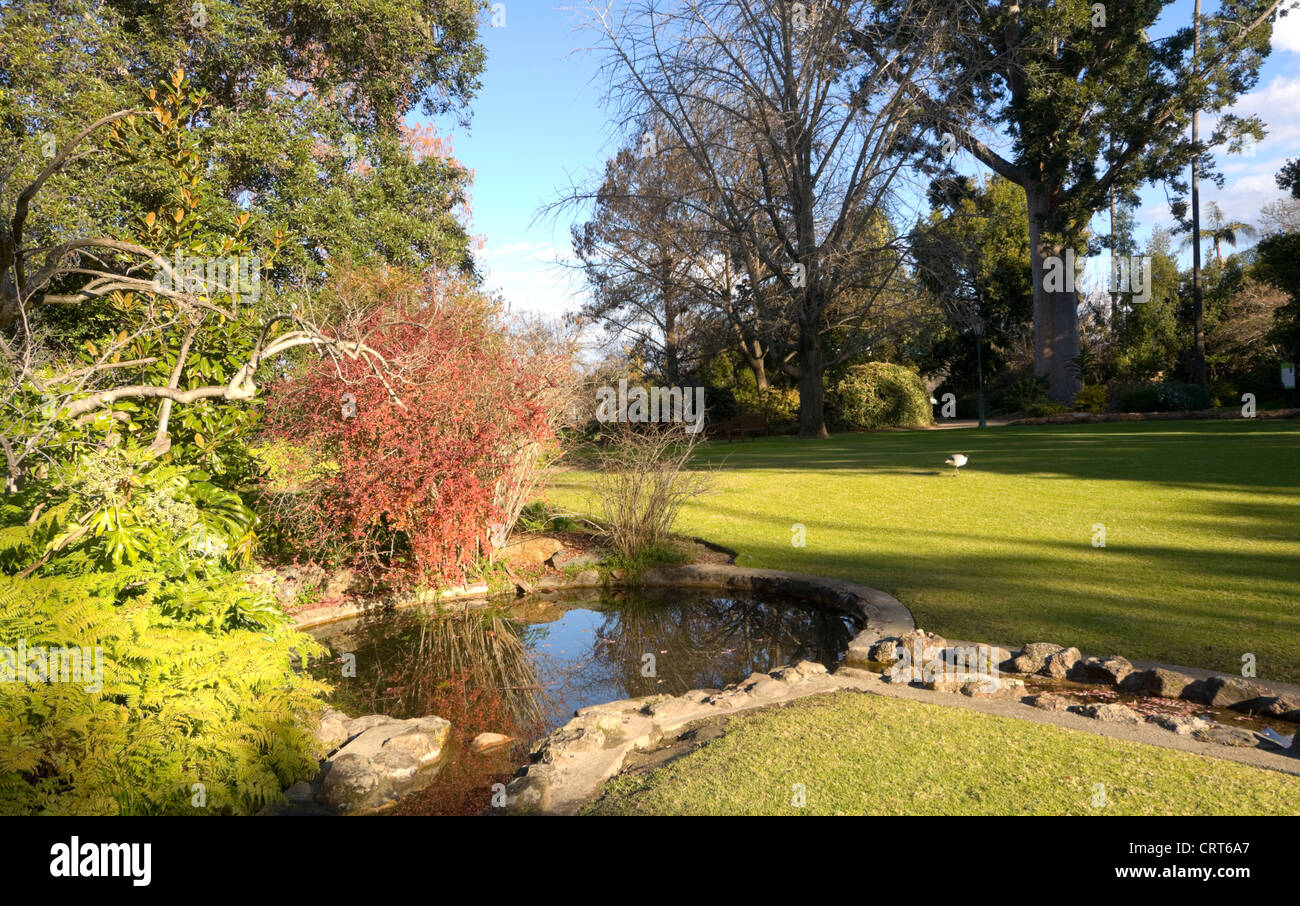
pixel 539 659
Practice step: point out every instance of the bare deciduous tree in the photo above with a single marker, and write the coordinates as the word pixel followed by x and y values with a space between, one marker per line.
pixel 801 138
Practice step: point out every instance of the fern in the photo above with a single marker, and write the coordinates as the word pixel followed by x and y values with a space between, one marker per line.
pixel 198 684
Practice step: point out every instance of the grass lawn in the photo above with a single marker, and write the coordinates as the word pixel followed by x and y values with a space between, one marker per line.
pixel 1202 521
pixel 866 754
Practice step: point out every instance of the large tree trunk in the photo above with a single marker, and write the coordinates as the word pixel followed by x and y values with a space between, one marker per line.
pixel 672 357
pixel 812 411
pixel 1056 313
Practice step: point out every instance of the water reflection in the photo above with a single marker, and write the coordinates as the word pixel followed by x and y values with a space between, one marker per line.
pixel 524 668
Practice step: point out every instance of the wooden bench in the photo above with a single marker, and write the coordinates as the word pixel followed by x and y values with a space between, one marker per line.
pixel 742 425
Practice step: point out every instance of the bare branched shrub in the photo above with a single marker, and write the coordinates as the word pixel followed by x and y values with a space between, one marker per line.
pixel 642 482
pixel 552 349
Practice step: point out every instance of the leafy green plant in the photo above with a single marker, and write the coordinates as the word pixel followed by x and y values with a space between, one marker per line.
pixel 1021 395
pixel 538 516
pixel 1091 398
pixel 121 507
pixel 1166 396
pixel 1041 408
pixel 195 705
pixel 881 395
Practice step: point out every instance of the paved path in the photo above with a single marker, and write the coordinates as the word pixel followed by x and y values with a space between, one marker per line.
pixel 969 423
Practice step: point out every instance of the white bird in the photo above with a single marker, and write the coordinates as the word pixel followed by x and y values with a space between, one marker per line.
pixel 956 460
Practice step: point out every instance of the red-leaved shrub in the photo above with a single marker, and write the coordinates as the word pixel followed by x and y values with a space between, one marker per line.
pixel 411 454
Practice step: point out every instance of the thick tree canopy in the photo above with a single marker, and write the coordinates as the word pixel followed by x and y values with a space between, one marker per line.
pixel 303 115
pixel 1085 104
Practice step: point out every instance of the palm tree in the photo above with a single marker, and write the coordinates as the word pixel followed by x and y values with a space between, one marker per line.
pixel 1220 231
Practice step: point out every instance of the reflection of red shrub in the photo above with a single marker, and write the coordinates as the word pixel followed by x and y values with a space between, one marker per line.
pixel 432 436
pixel 464 783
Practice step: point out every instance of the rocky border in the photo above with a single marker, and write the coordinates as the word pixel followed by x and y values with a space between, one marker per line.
pixel 1225 413
pixel 568 767
pixel 365 773
pixel 465 596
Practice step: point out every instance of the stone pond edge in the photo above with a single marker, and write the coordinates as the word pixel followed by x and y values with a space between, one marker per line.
pixel 883 615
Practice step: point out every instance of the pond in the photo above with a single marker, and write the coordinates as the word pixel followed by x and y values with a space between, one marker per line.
pixel 521 668
pixel 569 651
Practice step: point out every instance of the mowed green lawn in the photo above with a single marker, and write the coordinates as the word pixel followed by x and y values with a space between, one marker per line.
pixel 857 754
pixel 1202 531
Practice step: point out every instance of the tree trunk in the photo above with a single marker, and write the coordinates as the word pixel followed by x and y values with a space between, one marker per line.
pixel 812 411
pixel 754 359
pixel 672 357
pixel 1198 300
pixel 1056 313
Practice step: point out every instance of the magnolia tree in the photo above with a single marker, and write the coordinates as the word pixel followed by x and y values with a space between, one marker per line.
pixel 104 337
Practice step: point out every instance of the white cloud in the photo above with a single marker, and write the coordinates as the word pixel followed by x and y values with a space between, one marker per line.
pixel 1250 177
pixel 516 250
pixel 539 287
pixel 1286 33
pixel 1275 104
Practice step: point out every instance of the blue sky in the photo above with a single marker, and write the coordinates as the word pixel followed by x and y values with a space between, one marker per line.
pixel 537 125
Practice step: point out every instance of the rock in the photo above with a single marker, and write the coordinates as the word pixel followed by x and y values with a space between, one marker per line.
pixel 1051 701
pixel 488 742
pixel 531 550
pixel 954 682
pixel 338 584
pixel 926 642
pixel 1033 657
pixel 333 729
pixel 1236 693
pixel 1111 670
pixel 352 782
pixel 1159 682
pixel 300 794
pixel 800 672
pixel 288 582
pixel 396 765
pixel 387 759
pixel 979 659
pixel 1182 724
pixel 421 737
pixel 885 651
pixel 764 686
pixel 360 724
pixel 994 687
pixel 1199 691
pixel 579 559
pixel 1059 663
pixel 671 710
pixel 530 793
pixel 1112 713
pixel 919 649
pixel 1227 736
pixel 588 577
pixel 1283 707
